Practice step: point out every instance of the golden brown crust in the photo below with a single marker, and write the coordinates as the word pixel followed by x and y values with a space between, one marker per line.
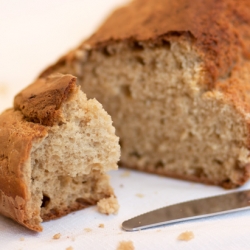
pixel 215 26
pixel 219 30
pixel 40 102
pixel 16 136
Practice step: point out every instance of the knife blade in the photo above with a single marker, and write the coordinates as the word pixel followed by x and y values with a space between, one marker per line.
pixel 200 208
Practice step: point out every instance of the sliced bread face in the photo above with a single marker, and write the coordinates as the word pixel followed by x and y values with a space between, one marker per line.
pixel 168 123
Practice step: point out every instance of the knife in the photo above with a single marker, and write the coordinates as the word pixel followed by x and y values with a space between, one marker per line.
pixel 189 210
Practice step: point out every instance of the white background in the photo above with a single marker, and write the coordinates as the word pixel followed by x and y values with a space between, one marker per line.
pixel 33 34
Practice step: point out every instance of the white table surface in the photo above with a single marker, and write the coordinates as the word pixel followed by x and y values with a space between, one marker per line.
pixel 34 34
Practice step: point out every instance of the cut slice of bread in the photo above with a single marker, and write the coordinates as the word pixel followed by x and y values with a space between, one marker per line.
pixel 56 147
pixel 174 76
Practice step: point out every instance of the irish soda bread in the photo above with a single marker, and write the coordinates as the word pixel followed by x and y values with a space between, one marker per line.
pixel 174 76
pixel 55 149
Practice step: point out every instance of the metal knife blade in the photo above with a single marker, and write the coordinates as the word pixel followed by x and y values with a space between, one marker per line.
pixel 221 204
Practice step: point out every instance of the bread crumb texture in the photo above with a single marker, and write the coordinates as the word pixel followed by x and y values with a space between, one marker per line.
pixel 101 225
pixel 69 248
pixel 78 153
pixel 57 236
pixel 125 245
pixel 214 133
pixel 108 205
pixel 186 236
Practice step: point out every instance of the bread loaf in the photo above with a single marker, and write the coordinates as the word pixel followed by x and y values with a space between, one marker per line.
pixel 56 147
pixel 174 76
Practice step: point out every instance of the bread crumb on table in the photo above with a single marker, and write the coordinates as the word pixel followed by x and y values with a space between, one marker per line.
pixel 108 205
pixel 69 248
pixel 186 236
pixel 22 239
pixel 125 174
pixel 101 225
pixel 57 236
pixel 87 230
pixel 140 195
pixel 125 245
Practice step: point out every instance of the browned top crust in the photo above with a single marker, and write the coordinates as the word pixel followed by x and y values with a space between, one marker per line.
pixel 218 28
pixel 40 102
pixel 16 137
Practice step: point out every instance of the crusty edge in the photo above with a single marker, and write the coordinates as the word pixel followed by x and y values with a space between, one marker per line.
pixel 213 25
pixel 18 135
pixel 41 101
pixel 227 184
